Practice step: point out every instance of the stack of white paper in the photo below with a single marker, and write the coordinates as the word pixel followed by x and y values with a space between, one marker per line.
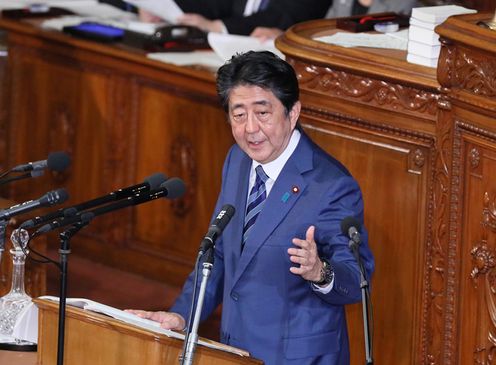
pixel 423 41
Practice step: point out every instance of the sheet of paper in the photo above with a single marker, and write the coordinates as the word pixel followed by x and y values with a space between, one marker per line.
pixel 94 9
pixel 165 9
pixel 14 4
pixel 396 40
pixel 26 326
pixel 227 45
pixel 204 58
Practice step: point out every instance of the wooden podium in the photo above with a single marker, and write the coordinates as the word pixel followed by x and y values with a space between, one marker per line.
pixel 96 339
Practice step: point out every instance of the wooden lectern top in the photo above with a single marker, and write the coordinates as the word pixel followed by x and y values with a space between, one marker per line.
pixel 92 338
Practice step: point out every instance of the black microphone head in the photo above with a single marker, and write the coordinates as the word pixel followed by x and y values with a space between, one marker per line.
pixel 227 210
pixel 175 187
pixel 54 197
pixel 58 161
pixel 349 222
pixel 155 180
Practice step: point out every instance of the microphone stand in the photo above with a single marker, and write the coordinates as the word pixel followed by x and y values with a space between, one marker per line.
pixel 364 287
pixel 192 337
pixel 64 251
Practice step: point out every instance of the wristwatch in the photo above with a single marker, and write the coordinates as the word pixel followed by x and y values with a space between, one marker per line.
pixel 326 273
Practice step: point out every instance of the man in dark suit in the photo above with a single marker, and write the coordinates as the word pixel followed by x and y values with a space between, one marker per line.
pixel 283 270
pixel 342 8
pixel 231 16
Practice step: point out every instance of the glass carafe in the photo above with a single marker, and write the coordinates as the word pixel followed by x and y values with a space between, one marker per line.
pixel 13 303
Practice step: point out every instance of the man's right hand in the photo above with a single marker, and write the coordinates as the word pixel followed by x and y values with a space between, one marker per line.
pixel 148 17
pixel 167 320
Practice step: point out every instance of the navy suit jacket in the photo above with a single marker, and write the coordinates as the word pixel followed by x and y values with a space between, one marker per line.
pixel 278 14
pixel 276 315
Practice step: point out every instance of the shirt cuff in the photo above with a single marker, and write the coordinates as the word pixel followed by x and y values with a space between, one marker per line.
pixel 323 289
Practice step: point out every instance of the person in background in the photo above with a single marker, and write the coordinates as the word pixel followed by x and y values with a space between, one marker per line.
pixel 283 269
pixel 342 8
pixel 244 16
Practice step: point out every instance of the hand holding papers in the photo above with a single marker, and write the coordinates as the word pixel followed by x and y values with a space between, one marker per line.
pixel 224 47
pixel 227 45
pixel 165 9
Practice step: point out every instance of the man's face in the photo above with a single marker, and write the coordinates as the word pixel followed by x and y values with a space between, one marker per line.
pixel 259 123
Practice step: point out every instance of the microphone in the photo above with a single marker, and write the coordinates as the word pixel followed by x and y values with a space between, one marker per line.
pixel 350 227
pixel 56 161
pixel 215 230
pixel 50 198
pixel 151 183
pixel 172 188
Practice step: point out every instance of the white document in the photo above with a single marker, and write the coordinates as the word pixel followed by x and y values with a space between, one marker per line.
pixel 227 45
pixel 19 4
pixel 94 8
pixel 11 4
pixel 165 9
pixel 395 40
pixel 204 58
pixel 26 326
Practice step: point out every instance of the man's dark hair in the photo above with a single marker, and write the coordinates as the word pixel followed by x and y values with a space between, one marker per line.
pixel 263 69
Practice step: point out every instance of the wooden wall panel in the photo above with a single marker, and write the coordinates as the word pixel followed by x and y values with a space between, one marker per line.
pixel 186 142
pixel 395 226
pixel 121 124
pixel 477 250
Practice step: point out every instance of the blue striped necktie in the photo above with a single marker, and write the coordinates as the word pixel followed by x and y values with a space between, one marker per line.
pixel 256 201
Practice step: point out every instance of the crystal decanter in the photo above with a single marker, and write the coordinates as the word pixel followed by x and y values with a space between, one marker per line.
pixel 13 303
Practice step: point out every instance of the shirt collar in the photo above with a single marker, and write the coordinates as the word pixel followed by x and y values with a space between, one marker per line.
pixel 274 168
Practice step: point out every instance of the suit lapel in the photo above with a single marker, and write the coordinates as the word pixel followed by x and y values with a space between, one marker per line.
pixel 241 192
pixel 238 7
pixel 280 201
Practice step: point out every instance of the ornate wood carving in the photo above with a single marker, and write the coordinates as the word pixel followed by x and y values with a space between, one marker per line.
pixel 435 279
pixel 474 157
pixel 483 271
pixel 365 89
pixel 465 69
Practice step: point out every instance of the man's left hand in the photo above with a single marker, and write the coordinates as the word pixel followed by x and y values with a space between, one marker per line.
pixel 196 20
pixel 307 256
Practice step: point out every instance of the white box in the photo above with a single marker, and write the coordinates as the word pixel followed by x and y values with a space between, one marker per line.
pixel 422 24
pixel 423 35
pixel 438 14
pixel 424 50
pixel 419 60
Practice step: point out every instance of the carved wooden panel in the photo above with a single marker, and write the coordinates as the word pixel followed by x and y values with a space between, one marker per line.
pixel 396 167
pixel 477 247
